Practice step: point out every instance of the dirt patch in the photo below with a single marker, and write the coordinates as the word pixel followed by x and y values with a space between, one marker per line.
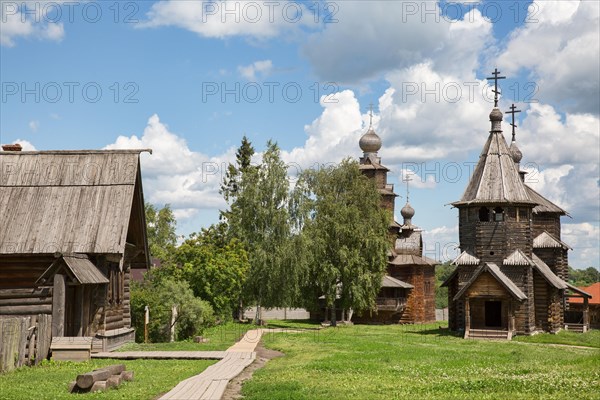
pixel 234 387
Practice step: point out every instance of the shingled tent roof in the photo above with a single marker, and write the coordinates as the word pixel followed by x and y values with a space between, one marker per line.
pixel 543 204
pixel 82 201
pixel 496 177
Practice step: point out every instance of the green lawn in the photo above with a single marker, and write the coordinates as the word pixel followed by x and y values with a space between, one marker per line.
pixel 590 338
pixel 420 362
pixel 50 380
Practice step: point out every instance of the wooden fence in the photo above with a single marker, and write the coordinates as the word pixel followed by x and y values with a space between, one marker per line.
pixel 24 340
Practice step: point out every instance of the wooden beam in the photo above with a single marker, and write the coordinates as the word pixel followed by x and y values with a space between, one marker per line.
pixel 58 305
pixel 78 314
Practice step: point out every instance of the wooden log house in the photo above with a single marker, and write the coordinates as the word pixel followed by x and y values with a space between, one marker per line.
pixel 511 277
pixel 73 227
pixel 407 293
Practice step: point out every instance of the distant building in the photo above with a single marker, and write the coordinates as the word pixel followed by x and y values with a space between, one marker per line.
pixel 581 313
pixel 407 294
pixel 511 276
pixel 73 227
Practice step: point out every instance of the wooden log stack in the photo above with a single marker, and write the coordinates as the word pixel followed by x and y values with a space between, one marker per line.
pixel 101 379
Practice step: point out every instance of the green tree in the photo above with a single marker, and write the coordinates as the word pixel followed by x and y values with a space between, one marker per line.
pixel 215 267
pixel 161 225
pixel 345 235
pixel 583 277
pixel 442 272
pixel 259 217
pixel 160 295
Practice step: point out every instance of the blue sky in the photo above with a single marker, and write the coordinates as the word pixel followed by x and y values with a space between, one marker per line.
pixel 190 79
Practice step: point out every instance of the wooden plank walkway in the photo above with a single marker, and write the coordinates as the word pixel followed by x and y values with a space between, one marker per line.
pixel 211 383
pixel 163 355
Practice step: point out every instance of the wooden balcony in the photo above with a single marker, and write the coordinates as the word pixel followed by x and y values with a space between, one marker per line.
pixel 390 303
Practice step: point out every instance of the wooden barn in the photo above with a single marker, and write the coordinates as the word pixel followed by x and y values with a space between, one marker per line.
pixel 73 228
pixel 407 294
pixel 511 276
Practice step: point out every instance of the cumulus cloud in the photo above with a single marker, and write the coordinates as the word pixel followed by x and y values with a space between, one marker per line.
pixel 259 69
pixel 230 18
pixel 14 24
pixel 560 50
pixel 441 243
pixel 390 36
pixel 583 238
pixel 174 174
pixel 26 145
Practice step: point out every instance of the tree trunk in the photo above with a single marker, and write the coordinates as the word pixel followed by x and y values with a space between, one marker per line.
pixel 333 318
pixel 350 312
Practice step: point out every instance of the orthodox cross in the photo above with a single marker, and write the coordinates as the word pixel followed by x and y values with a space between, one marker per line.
pixel 407 179
pixel 370 115
pixel 513 111
pixel 496 77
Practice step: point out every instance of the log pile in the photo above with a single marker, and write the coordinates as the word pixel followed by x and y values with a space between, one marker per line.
pixel 101 379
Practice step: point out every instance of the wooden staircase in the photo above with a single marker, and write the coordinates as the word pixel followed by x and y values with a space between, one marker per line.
pixel 492 334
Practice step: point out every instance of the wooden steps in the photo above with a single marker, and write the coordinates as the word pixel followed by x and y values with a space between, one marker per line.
pixel 65 348
pixel 494 334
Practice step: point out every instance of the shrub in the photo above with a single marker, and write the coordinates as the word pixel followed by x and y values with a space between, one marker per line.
pixel 193 313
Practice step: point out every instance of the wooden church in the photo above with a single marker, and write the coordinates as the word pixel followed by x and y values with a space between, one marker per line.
pixel 407 292
pixel 73 227
pixel 511 276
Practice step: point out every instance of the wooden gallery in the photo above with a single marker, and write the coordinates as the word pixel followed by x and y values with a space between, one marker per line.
pixel 73 227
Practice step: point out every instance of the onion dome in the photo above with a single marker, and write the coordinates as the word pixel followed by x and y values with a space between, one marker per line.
pixel 515 152
pixel 496 115
pixel 370 142
pixel 407 211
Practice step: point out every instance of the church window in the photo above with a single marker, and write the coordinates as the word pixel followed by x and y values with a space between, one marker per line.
pixel 498 214
pixel 484 214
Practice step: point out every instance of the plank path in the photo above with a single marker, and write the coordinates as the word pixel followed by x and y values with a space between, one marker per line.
pixel 211 383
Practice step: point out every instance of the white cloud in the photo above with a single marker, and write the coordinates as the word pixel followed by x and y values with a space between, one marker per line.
pixel 34 126
pixel 13 24
pixel 428 115
pixel 561 51
pixel 230 18
pixel 174 174
pixel 390 35
pixel 262 69
pixel 584 238
pixel 26 145
pixel 550 139
pixel 441 243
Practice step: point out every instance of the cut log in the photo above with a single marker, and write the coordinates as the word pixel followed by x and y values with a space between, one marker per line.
pixel 113 381
pixel 85 381
pixel 99 386
pixel 127 376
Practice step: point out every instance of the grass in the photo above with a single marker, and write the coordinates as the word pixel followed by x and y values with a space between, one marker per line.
pixel 50 380
pixel 220 337
pixel 590 338
pixel 420 362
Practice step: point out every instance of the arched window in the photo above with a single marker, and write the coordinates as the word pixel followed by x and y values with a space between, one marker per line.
pixel 484 214
pixel 498 214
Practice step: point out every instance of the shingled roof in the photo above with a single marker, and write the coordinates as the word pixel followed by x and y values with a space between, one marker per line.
pixel 496 177
pixel 543 204
pixel 71 202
